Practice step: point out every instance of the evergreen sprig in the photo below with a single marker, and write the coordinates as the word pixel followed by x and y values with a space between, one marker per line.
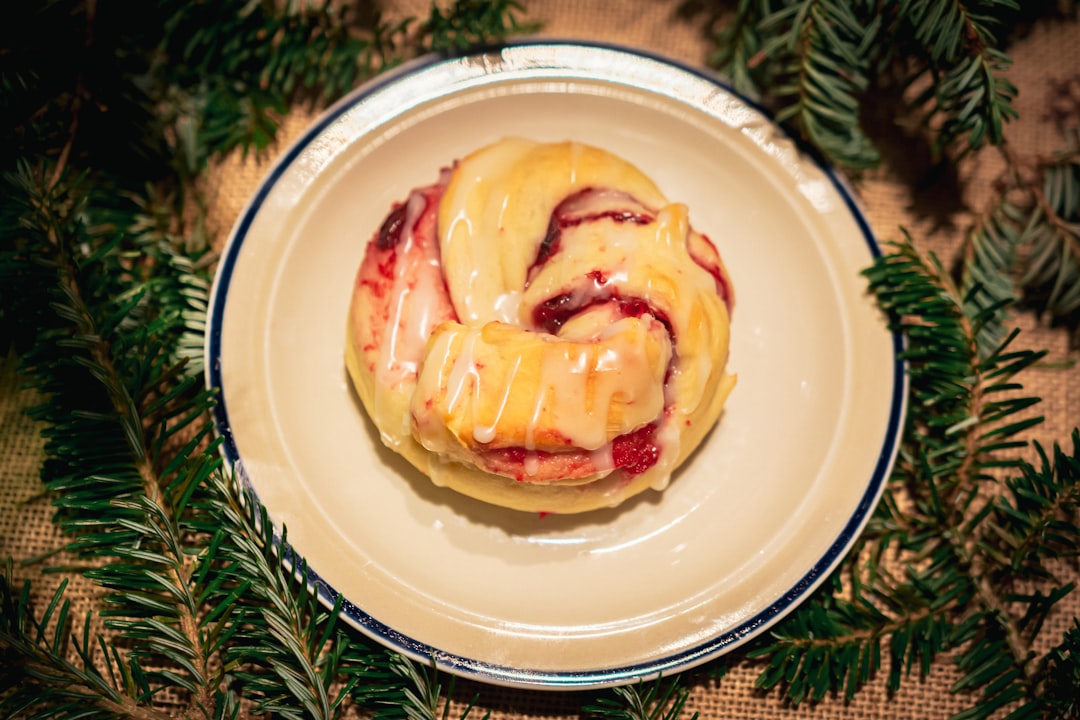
pixel 236 78
pixel 961 47
pixel 472 22
pixel 825 50
pixel 234 68
pixel 415 692
pixel 1050 275
pixel 1062 669
pixel 660 699
pixel 53 671
pixel 1026 248
pixel 197 596
pixel 819 64
pixel 954 560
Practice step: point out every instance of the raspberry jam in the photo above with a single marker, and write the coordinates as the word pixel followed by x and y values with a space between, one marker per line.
pixel 553 313
pixel 390 231
pixel 635 452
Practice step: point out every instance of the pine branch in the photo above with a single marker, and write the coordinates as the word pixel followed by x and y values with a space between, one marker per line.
pixel 956 423
pixel 42 680
pixel 139 490
pixel 237 66
pixel 661 699
pixel 282 642
pixel 234 68
pixel 826 46
pixel 818 63
pixel 965 551
pixel 196 585
pixel 829 645
pixel 961 42
pixel 990 257
pixel 468 23
pixel 1027 247
pixel 414 691
pixel 1051 275
pixel 737 51
pixel 113 406
pixel 1035 518
pixel 955 473
pixel 1062 677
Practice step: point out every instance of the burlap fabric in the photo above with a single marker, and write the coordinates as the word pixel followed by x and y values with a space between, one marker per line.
pixel 938 218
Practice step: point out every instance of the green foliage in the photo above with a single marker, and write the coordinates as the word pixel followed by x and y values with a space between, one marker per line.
pixel 52 670
pixel 972 526
pixel 1063 676
pixel 233 68
pixel 737 47
pixel 992 253
pixel 811 43
pixel 411 692
pixel 819 64
pixel 960 44
pixel 661 699
pixel 135 483
pixel 472 22
pixel 830 645
pixel 1027 248
pixel 286 647
pixel 1050 277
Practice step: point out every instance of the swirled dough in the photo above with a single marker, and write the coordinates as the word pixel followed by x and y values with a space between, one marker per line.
pixel 541 329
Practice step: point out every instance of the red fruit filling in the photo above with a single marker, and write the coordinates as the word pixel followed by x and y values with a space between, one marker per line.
pixel 574 210
pixel 553 313
pixel 712 265
pixel 635 452
pixel 390 231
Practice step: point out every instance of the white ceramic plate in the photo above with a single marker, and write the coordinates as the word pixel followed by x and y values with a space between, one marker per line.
pixel 747 528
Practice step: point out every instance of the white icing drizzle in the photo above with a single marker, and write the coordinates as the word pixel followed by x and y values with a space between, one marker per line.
pixel 463 372
pixel 602 459
pixel 668 441
pixel 486 433
pixel 531 464
pixel 413 301
pixel 507 307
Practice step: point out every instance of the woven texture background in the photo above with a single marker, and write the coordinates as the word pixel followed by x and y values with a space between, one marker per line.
pixel 938 218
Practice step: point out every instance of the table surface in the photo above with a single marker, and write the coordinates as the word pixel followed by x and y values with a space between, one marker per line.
pixel 892 198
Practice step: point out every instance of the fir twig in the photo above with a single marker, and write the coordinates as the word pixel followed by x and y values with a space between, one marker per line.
pixel 284 644
pixel 818 63
pixel 827 45
pixel 49 671
pixel 661 699
pixel 472 22
pixel 1027 247
pixel 961 43
pixel 1062 676
pixel 966 554
pixel 738 48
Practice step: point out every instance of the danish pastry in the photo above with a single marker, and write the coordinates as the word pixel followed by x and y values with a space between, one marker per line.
pixel 541 329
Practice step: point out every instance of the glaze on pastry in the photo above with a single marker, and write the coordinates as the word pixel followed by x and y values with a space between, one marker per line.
pixel 541 329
